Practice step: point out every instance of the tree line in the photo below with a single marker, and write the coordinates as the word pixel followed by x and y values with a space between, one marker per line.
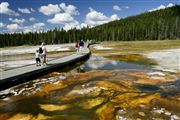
pixel 157 25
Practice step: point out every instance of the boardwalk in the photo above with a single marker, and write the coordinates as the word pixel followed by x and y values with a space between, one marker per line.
pixel 20 75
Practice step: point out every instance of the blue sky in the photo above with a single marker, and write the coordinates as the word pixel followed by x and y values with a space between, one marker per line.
pixel 42 15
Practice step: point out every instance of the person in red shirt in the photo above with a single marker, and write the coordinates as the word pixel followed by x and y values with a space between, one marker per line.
pixel 77 46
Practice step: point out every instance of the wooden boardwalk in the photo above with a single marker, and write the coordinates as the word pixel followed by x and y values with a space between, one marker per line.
pixel 20 75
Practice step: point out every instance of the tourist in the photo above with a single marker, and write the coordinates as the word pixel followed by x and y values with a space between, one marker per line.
pixel 43 54
pixel 37 58
pixel 81 45
pixel 77 46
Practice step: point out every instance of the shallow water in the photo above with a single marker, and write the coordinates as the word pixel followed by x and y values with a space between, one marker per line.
pixel 102 63
pixel 99 89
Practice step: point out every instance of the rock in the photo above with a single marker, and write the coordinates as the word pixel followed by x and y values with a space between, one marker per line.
pixel 167 113
pixel 83 86
pixel 62 77
pixel 158 111
pixel 121 118
pixel 121 112
pixel 156 73
pixel 84 91
pixel 174 117
pixel 142 114
pixel 142 106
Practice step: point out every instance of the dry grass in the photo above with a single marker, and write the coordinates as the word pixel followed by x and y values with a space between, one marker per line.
pixel 141 46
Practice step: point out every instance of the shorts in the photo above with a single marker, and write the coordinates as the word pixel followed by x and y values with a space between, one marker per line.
pixel 38 60
pixel 44 58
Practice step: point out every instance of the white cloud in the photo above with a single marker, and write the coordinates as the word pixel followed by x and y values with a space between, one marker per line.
pixel 71 25
pixel 66 17
pixel 114 17
pixel 63 15
pixel 94 18
pixel 27 29
pixel 24 10
pixel 13 27
pixel 70 9
pixel 53 9
pixel 19 21
pixel 94 15
pixel 5 10
pixel 32 10
pixel 170 5
pixel 116 7
pixel 39 26
pixel 162 7
pixel 61 18
pixel 83 25
pixel 2 25
pixel 32 19
pixel 50 9
pixel 158 8
pixel 79 26
pixel 74 24
pixel 20 28
pixel 67 20
pixel 126 7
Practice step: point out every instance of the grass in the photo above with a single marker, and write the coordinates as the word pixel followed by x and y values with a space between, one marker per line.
pixel 141 46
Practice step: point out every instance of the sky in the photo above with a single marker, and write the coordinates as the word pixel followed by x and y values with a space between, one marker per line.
pixel 43 15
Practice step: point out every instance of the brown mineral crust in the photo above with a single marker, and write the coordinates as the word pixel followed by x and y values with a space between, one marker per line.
pixel 4 116
pixel 106 112
pixel 169 103
pixel 134 100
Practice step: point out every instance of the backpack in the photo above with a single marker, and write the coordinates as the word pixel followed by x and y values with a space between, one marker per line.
pixel 40 50
pixel 81 43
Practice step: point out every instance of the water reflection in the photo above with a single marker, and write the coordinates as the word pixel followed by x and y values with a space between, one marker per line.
pixel 101 63
pixel 171 88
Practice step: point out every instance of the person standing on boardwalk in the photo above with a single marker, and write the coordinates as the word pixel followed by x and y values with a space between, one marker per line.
pixel 43 54
pixel 81 45
pixel 77 46
pixel 37 57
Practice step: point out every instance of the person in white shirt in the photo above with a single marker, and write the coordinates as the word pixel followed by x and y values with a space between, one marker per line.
pixel 37 57
pixel 43 54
